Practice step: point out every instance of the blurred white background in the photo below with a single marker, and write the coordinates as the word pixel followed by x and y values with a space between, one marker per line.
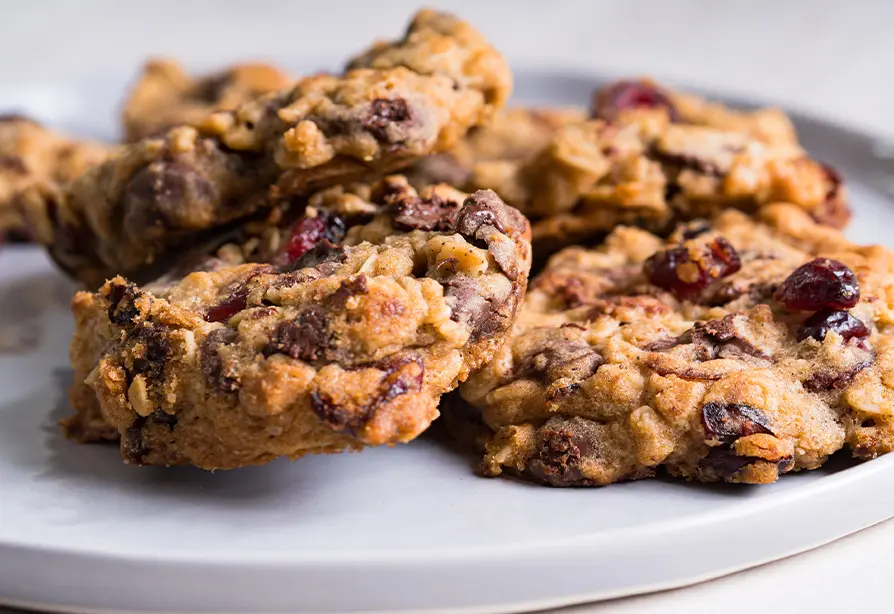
pixel 834 58
pixel 831 56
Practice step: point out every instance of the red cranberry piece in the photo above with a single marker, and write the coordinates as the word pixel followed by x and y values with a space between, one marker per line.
pixel 727 422
pixel 308 232
pixel 232 305
pixel 612 99
pixel 842 322
pixel 835 182
pixel 820 283
pixel 672 269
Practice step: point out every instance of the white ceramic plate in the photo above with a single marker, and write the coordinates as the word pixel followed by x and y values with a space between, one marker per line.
pixel 403 530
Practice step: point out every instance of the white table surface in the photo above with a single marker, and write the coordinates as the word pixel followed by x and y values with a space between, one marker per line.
pixel 834 58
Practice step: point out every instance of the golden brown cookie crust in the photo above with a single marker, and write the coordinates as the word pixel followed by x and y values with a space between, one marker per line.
pixel 348 347
pixel 162 193
pixel 165 95
pixel 709 375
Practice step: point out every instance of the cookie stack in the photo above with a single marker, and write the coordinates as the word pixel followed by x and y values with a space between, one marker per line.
pixel 266 285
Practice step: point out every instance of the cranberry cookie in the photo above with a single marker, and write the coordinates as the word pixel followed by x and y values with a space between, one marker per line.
pixel 163 194
pixel 328 348
pixel 165 95
pixel 29 154
pixel 736 350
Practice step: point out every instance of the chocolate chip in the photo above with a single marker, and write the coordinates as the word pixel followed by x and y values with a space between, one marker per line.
pixel 835 380
pixel 160 417
pixel 156 350
pixel 383 114
pixel 305 338
pixel 688 161
pixel 123 310
pixel 560 451
pixel 727 422
pixel 133 446
pixel 724 338
pixel 484 315
pixel 432 213
pixel 220 376
pixel 156 195
pixel 353 286
pixel 561 358
pixel 482 209
pixel 325 256
pixel 725 463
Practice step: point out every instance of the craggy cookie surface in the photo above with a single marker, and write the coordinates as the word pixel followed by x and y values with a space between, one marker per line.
pixel 399 101
pixel 165 95
pixel 29 154
pixel 648 156
pixel 330 347
pixel 736 350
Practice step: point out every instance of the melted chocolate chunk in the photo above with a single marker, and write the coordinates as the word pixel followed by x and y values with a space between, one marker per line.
pixel 123 310
pixel 727 422
pixel 383 114
pixel 305 338
pixel 220 376
pixel 156 194
pixel 133 446
pixel 432 213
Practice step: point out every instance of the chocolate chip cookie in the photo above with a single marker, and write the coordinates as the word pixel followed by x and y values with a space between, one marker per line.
pixel 31 153
pixel 346 338
pixel 738 349
pixel 165 95
pixel 160 195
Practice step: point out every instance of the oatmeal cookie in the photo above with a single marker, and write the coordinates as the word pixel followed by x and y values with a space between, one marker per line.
pixel 737 350
pixel 161 194
pixel 333 348
pixel 595 175
pixel 165 95
pixel 31 153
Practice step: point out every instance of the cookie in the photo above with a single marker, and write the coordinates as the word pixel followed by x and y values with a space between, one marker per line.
pixel 161 195
pixel 736 350
pixel 515 135
pixel 638 100
pixel 31 153
pixel 347 341
pixel 165 95
pixel 595 175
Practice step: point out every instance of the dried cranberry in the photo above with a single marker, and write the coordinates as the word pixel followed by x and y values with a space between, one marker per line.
pixel 308 232
pixel 820 283
pixel 668 269
pixel 842 322
pixel 727 422
pixel 612 99
pixel 232 305
pixel 833 177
